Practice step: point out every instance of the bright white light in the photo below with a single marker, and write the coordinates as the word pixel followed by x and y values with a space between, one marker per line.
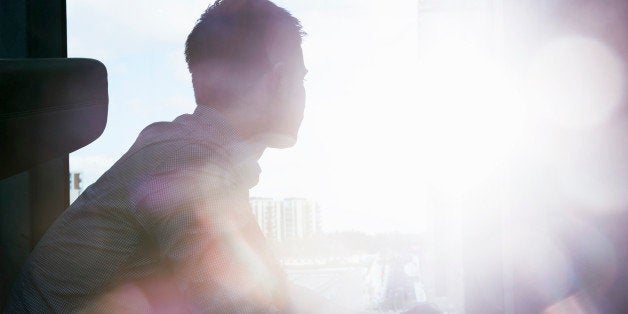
pixel 470 121
pixel 576 82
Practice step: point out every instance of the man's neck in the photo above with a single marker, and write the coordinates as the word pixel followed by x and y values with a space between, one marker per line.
pixel 245 122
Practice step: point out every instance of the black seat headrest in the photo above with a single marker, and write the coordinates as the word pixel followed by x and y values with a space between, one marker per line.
pixel 49 108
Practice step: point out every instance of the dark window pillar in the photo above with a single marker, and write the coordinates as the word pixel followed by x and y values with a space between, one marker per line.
pixel 30 201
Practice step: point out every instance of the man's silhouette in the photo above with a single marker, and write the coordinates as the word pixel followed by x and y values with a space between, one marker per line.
pixel 168 227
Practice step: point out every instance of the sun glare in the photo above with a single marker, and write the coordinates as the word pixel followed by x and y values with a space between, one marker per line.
pixel 576 82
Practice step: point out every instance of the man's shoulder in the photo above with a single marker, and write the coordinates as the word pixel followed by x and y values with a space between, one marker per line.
pixel 194 153
pixel 162 132
pixel 170 137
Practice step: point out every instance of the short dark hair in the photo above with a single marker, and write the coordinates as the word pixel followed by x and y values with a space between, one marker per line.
pixel 230 41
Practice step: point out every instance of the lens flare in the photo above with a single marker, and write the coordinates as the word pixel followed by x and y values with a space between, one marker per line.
pixel 576 82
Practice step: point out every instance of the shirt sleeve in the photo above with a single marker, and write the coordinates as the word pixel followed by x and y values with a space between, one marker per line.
pixel 206 234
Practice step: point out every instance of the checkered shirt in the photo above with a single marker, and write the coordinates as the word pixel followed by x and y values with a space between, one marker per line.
pixel 168 228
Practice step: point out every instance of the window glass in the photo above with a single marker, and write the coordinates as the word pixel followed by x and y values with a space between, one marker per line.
pixel 462 154
pixel 367 209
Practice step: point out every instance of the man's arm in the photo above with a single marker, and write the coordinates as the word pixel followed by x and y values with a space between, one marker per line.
pixel 205 231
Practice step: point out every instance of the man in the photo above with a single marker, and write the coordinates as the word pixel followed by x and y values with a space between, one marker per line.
pixel 168 227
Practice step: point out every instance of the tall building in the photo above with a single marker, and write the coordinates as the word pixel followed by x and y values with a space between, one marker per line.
pixel 301 218
pixel 268 214
pixel 287 219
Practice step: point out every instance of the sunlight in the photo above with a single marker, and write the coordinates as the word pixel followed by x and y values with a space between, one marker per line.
pixel 441 120
pixel 576 82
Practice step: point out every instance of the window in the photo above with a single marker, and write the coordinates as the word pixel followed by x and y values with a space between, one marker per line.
pixel 406 181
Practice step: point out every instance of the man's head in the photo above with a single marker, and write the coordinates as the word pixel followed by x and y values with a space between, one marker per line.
pixel 246 61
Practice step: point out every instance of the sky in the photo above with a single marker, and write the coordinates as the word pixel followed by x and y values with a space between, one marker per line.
pixel 342 159
pixel 407 114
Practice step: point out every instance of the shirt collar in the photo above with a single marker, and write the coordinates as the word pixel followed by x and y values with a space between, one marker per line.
pixel 217 121
pixel 245 153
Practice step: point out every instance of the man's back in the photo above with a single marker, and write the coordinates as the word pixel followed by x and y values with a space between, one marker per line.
pixel 173 214
pixel 179 190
